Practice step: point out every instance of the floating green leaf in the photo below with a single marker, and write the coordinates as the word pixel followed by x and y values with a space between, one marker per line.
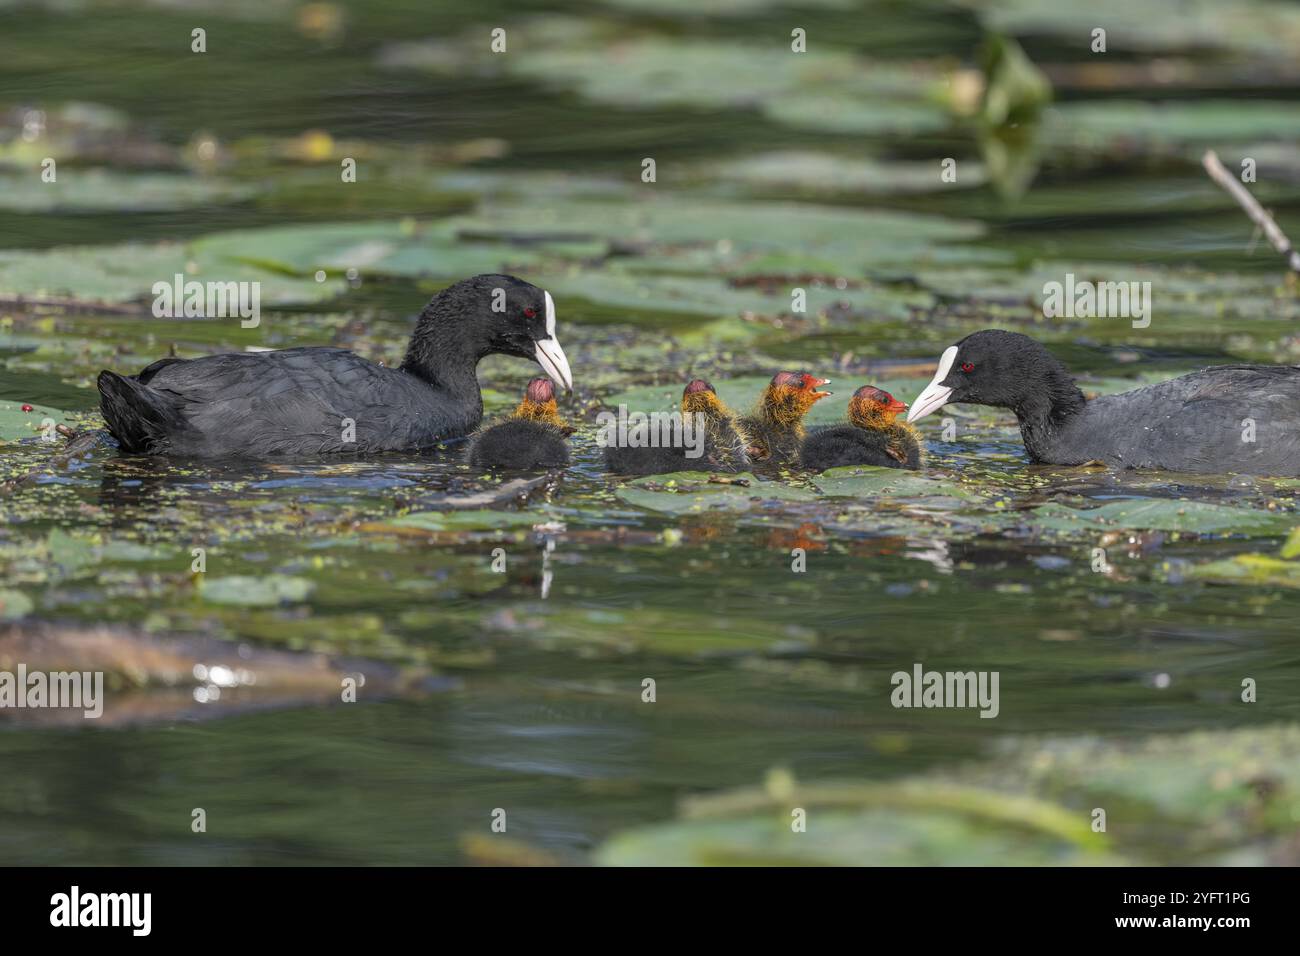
pixel 1258 569
pixel 870 482
pixel 1195 517
pixel 474 520
pixel 16 424
pixel 265 590
pixel 689 492
pixel 14 604
pixel 81 190
pixel 127 273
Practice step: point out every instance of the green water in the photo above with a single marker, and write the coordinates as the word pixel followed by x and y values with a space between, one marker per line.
pixel 538 706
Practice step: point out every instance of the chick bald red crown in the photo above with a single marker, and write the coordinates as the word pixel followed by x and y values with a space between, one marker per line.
pixel 540 390
pixel 539 405
pixel 878 396
pixel 803 381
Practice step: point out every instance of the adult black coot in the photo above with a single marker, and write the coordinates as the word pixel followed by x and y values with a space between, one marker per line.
pixel 775 428
pixel 534 436
pixel 317 401
pixel 872 436
pixel 1229 418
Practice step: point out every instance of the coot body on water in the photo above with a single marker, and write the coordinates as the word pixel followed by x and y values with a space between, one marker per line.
pixel 1226 419
pixel 304 402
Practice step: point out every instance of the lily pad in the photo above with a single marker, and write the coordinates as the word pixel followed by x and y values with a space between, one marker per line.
pixel 1031 806
pixel 1243 782
pixel 688 492
pixel 85 190
pixel 869 482
pixel 828 113
pixel 17 424
pixel 1101 126
pixel 719 8
pixel 376 248
pixel 471 520
pixel 654 71
pixel 662 630
pixel 14 604
pixel 836 838
pixel 1258 569
pixel 1241 26
pixel 1195 517
pixel 828 174
pixel 127 273
pixel 255 591
pixel 755 225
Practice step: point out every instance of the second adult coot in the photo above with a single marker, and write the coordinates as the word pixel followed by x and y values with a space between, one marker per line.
pixel 1224 419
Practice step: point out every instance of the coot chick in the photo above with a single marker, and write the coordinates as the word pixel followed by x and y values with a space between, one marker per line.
pixel 725 442
pixel 317 401
pixel 872 437
pixel 775 428
pixel 723 447
pixel 532 437
pixel 1228 418
pixel 647 460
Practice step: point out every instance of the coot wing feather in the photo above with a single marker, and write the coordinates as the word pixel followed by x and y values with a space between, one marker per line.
pixel 1231 418
pixel 297 401
pixel 836 446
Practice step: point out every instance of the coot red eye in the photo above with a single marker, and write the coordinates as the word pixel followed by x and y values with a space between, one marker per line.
pixel 967 367
pixel 530 313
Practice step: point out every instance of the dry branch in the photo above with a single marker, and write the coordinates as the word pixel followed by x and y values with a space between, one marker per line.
pixel 1258 215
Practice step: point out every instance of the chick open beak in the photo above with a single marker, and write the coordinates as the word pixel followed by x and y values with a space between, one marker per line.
pixel 812 383
pixel 549 354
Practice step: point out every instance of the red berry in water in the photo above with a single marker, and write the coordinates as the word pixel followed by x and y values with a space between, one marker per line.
pixel 27 408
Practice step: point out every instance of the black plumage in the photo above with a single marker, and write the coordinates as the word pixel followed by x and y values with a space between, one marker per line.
pixel 649 461
pixel 519 444
pixel 835 446
pixel 775 428
pixel 723 447
pixel 1228 418
pixel 534 436
pixel 872 436
pixel 319 401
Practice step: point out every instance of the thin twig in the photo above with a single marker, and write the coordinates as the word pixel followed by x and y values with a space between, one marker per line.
pixel 1253 209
